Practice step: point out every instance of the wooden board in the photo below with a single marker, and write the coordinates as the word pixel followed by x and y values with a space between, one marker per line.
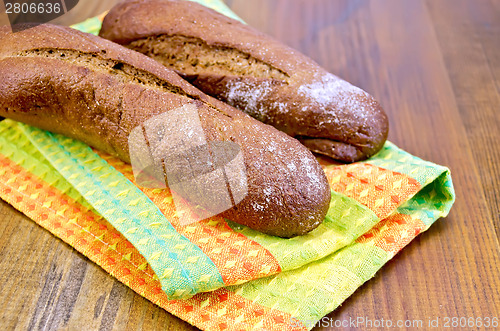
pixel 435 66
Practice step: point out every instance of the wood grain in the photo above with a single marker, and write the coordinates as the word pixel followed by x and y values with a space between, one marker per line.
pixel 435 66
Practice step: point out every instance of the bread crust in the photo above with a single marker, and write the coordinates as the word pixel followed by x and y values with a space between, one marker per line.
pixel 327 114
pixel 91 89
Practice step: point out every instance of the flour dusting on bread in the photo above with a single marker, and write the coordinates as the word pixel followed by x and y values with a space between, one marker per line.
pixel 330 91
pixel 249 96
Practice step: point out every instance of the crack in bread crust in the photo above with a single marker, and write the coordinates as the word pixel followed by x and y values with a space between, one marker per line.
pixel 193 56
pixel 121 70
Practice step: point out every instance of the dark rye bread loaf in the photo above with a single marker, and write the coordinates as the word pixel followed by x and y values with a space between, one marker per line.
pixel 253 72
pixel 91 89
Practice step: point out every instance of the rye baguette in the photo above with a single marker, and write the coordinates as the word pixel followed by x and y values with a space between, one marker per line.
pixel 253 72
pixel 96 91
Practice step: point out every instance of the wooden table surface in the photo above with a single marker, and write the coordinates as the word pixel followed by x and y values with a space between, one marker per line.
pixel 435 67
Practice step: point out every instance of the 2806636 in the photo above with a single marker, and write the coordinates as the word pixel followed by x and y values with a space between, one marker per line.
pixel 24 14
pixel 46 7
pixel 472 322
